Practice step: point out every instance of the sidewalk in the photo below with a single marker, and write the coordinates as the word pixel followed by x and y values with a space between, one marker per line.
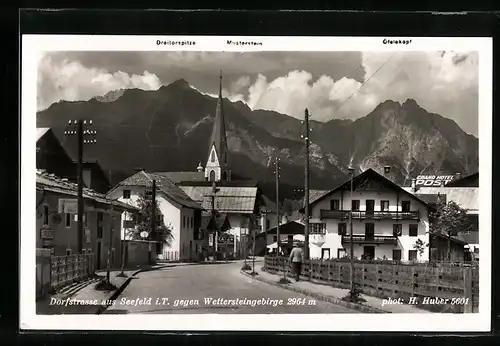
pixel 88 293
pixel 335 295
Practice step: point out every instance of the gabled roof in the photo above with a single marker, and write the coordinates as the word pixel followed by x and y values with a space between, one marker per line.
pixel 164 185
pixel 178 177
pixel 236 200
pixel 472 180
pixel 372 175
pixel 316 194
pixel 41 131
pixel 52 183
pixel 292 227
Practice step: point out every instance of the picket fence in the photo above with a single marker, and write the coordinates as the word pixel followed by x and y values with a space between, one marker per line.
pixel 66 270
pixel 395 280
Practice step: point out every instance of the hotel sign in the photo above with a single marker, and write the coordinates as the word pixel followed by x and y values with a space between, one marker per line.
pixel 433 180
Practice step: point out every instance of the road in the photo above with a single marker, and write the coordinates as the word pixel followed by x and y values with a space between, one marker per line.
pixel 185 290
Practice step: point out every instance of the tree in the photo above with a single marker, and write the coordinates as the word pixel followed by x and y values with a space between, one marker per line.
pixel 163 233
pixel 448 219
pixel 420 247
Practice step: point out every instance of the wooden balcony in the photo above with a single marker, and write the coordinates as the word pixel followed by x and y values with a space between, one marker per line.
pixel 374 239
pixel 370 215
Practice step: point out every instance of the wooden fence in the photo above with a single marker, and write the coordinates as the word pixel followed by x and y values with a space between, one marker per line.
pixel 68 269
pixel 396 280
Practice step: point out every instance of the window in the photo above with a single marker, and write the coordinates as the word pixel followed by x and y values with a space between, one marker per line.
pixel 405 206
pixel 355 205
pixel 212 175
pixel 342 228
pixel 397 230
pixel 396 255
pixel 85 219
pixel 68 220
pixel 334 204
pixel 317 228
pixel 192 221
pixel 212 156
pixel 268 224
pixel 183 222
pixel 341 253
pixel 275 238
pixel 384 205
pixel 126 194
pixel 413 230
pixel 369 230
pixel 45 214
pixel 224 175
pixel 100 217
pixel 412 255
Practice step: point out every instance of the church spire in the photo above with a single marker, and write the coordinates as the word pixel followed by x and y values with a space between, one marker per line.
pixel 217 167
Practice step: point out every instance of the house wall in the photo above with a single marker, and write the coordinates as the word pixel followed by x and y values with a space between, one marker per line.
pixel 179 220
pixel 333 240
pixel 52 157
pixel 66 238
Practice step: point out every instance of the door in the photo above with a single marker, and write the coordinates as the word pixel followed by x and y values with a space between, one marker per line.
pixel 370 207
pixel 369 252
pixel 325 253
pixel 369 231
pixel 98 255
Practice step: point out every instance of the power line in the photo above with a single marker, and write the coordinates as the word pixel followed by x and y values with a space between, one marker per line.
pixel 366 81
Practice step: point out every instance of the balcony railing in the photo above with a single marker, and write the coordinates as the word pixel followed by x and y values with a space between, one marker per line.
pixel 371 239
pixel 370 215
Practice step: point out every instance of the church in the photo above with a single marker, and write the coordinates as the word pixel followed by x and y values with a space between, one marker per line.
pixel 239 204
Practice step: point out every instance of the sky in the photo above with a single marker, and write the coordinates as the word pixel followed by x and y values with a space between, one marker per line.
pixel 332 85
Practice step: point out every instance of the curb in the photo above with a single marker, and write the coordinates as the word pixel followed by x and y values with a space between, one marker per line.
pixel 122 287
pixel 333 300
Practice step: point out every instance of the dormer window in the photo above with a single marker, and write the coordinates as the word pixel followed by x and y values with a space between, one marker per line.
pixel 126 194
pixel 212 156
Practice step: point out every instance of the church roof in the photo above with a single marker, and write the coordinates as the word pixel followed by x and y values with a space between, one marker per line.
pixel 229 199
pixel 178 177
pixel 218 137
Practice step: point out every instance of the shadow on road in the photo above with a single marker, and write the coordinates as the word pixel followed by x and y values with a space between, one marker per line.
pixel 115 312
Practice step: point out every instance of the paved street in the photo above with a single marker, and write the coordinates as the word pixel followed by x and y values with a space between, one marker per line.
pixel 187 289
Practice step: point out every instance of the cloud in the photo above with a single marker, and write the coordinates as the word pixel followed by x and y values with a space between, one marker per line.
pixel 441 83
pixel 331 85
pixel 71 81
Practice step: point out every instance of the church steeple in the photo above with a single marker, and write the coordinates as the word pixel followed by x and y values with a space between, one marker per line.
pixel 217 167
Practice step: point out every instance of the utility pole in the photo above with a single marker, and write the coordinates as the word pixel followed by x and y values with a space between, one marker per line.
pixel 77 128
pixel 277 173
pixel 213 221
pixel 153 217
pixel 306 195
pixel 351 245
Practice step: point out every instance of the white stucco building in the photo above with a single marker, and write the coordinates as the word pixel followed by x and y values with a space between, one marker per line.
pixel 387 220
pixel 180 213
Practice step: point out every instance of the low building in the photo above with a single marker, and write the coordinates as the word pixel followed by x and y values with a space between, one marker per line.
pixel 57 223
pixel 51 156
pixel 387 220
pixel 179 213
pixel 287 232
pixel 465 192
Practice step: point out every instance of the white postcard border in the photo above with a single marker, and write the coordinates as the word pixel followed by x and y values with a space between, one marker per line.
pixel 33 45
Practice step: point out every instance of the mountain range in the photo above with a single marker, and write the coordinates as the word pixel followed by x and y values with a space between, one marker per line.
pixel 169 130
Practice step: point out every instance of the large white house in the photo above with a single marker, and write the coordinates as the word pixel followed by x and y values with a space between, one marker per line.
pixel 179 213
pixel 387 220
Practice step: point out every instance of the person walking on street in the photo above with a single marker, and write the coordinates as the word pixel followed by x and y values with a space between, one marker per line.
pixel 296 258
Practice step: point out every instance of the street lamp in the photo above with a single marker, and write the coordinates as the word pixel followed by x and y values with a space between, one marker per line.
pixel 351 245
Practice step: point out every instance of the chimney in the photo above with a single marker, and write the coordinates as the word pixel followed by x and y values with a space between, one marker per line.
pixel 458 176
pixel 200 167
